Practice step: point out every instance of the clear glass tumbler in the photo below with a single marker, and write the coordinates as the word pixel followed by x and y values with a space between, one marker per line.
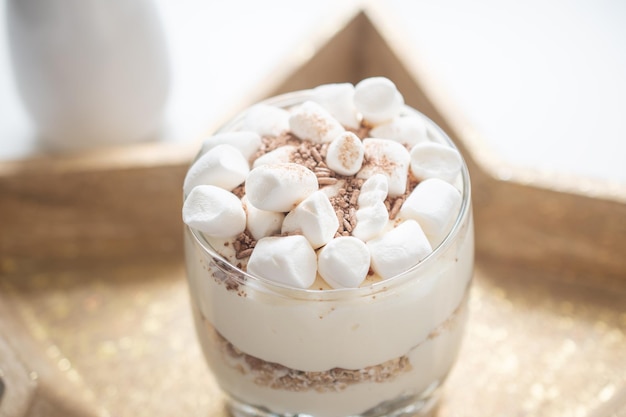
pixel 380 350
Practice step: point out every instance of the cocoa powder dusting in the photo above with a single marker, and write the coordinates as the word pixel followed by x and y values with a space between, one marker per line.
pixel 380 164
pixel 348 152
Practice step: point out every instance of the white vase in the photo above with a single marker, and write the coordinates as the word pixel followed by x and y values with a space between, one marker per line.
pixel 90 72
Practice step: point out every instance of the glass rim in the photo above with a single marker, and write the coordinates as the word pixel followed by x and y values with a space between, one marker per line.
pixel 243 277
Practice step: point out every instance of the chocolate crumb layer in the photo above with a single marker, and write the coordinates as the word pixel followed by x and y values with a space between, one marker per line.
pixel 276 376
pixel 344 204
pixel 279 377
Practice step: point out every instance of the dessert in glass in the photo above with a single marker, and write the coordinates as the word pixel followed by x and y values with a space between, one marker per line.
pixel 329 248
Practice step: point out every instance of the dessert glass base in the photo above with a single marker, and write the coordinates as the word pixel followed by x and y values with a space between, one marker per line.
pixel 423 405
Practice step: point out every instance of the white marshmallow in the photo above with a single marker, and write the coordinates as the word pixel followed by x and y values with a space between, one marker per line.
pixel 370 221
pixel 435 204
pixel 435 160
pixel 408 130
pixel 247 142
pixel 266 120
pixel 344 262
pixel 223 166
pixel 373 190
pixel 345 154
pixel 399 249
pixel 338 99
pixel 287 260
pixel 313 122
pixel 279 187
pixel 214 211
pixel 278 155
pixel 388 158
pixel 315 217
pixel 377 99
pixel 262 223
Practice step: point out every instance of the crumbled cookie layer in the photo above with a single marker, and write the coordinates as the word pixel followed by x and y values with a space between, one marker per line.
pixel 276 376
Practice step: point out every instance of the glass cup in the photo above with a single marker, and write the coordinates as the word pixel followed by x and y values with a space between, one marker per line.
pixel 380 350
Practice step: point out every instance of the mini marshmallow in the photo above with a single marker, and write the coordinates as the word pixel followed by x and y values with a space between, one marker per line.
pixel 266 120
pixel 214 211
pixel 344 262
pixel 370 221
pixel 313 122
pixel 399 249
pixel 223 166
pixel 287 260
pixel 435 160
pixel 247 142
pixel 261 223
pixel 377 99
pixel 408 130
pixel 345 154
pixel 388 158
pixel 278 155
pixel 315 217
pixel 279 187
pixel 338 99
pixel 435 204
pixel 373 190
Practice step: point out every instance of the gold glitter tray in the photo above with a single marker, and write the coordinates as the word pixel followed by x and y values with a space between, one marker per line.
pixel 94 312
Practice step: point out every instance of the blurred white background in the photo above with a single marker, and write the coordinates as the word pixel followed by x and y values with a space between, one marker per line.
pixel 544 83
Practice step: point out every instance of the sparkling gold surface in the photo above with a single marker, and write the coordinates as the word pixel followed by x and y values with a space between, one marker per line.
pixel 538 347
pixel 121 333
